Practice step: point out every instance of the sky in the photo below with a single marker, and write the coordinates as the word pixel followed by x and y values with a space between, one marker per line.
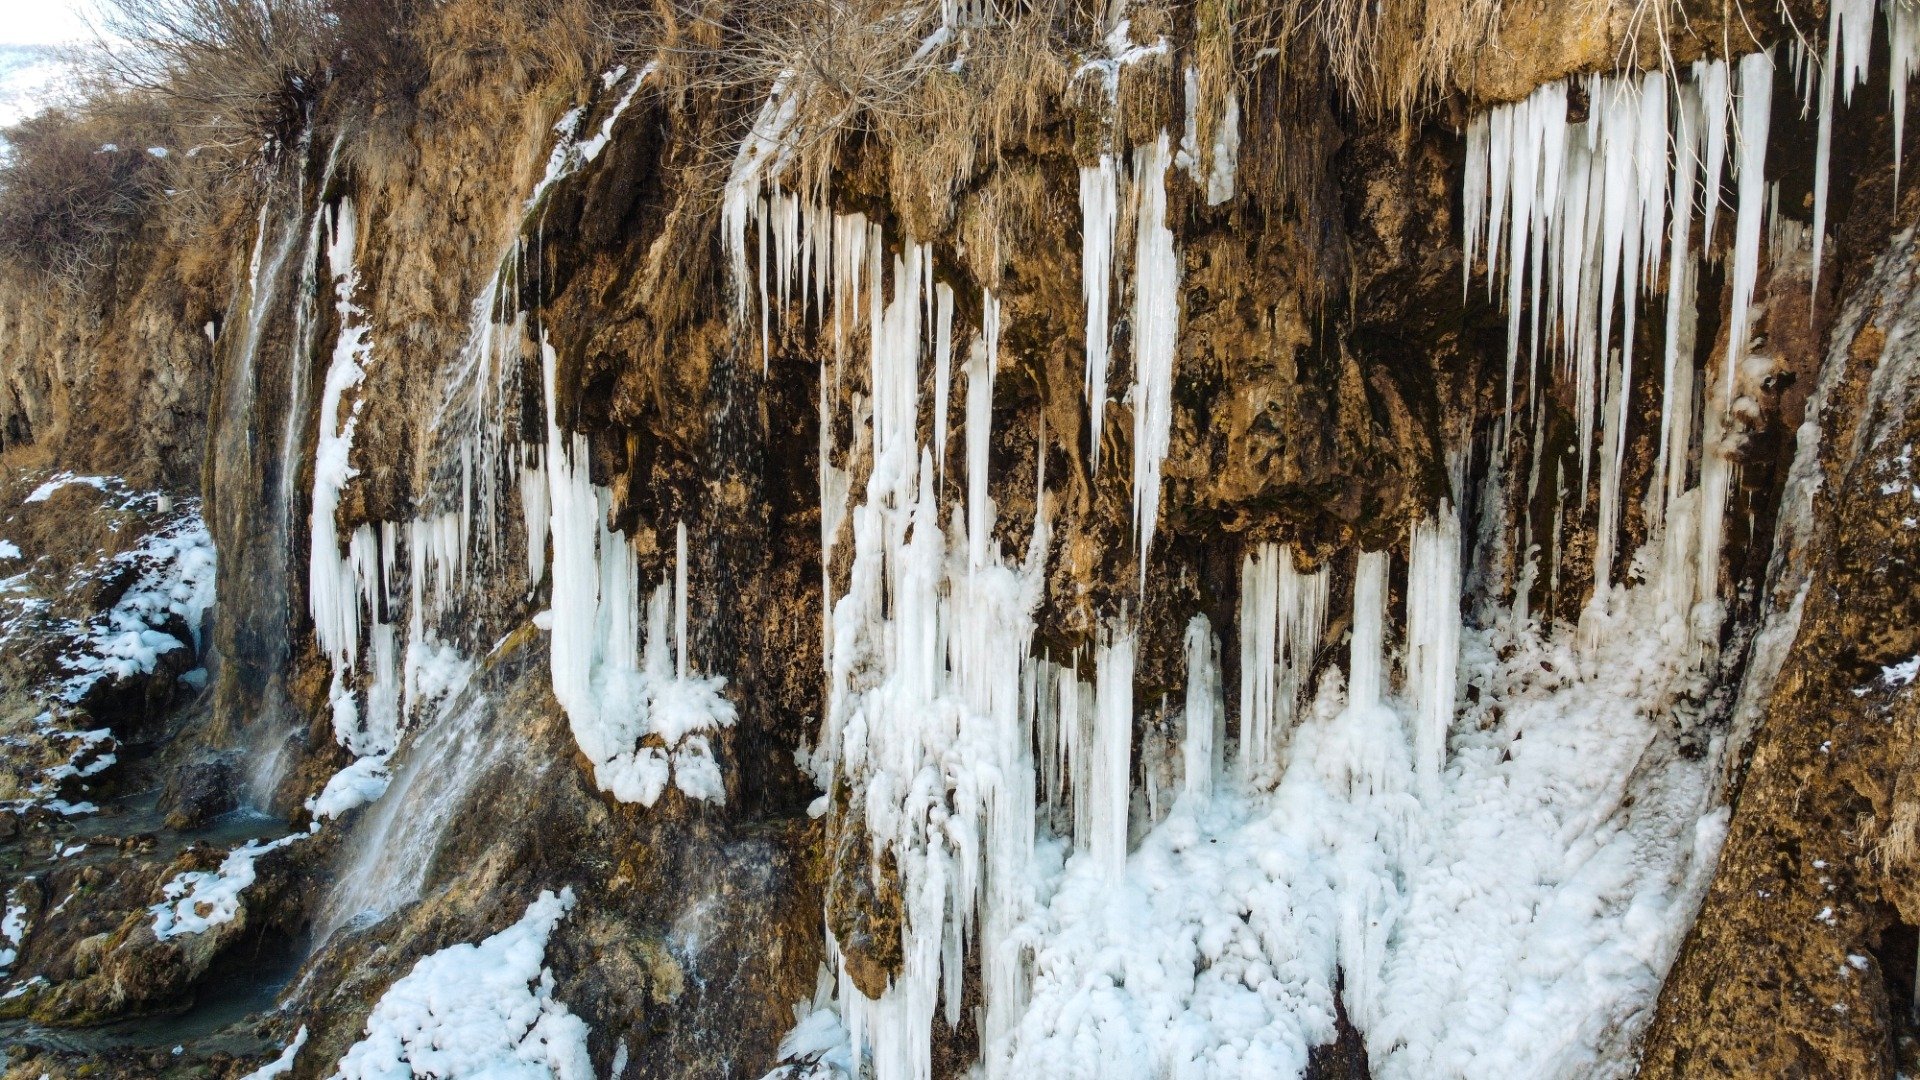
pixel 43 22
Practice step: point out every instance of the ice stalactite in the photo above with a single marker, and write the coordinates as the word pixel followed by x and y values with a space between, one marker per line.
pixel 1903 33
pixel 1683 316
pixel 980 371
pixel 942 371
pixel 1571 218
pixel 1849 39
pixel 534 511
pixel 1099 217
pixel 1433 640
pixel 1755 115
pixel 1156 331
pixel 1282 613
pixel 613 703
pixel 1205 718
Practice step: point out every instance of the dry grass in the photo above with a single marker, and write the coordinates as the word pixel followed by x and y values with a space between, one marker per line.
pixel 943 100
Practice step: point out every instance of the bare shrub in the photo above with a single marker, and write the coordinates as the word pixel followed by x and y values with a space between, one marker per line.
pixel 236 73
pixel 76 186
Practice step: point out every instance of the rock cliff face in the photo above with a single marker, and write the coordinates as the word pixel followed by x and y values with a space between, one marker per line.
pixel 907 542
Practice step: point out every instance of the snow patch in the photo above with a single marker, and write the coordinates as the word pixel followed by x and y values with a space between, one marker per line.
pixel 483 1010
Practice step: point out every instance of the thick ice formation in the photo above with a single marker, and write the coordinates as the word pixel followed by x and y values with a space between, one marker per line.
pixel 1282 612
pixel 1156 336
pixel 1099 217
pixel 613 700
pixel 478 1010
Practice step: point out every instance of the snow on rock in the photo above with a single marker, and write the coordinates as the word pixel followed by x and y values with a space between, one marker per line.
pixel 13 927
pixel 283 1064
pixel 175 582
pixel 817 1047
pixel 474 1011
pixel 352 787
pixel 199 900
pixel 66 479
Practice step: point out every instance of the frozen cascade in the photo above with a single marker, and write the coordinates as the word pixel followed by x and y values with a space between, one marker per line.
pixel 1282 612
pixel 1433 640
pixel 1154 956
pixel 1550 877
pixel 1205 718
pixel 1099 217
pixel 341 585
pixel 612 701
pixel 1156 332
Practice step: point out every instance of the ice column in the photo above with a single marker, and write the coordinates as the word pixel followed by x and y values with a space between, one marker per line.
pixel 1099 215
pixel 1205 721
pixel 1111 780
pixel 1282 613
pixel 1156 319
pixel 1433 640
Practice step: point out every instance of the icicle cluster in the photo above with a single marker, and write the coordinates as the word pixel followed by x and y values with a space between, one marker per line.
pixel 419 571
pixel 1282 612
pixel 641 721
pixel 1572 218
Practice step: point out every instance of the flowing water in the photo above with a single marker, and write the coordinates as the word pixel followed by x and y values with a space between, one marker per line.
pixel 385 863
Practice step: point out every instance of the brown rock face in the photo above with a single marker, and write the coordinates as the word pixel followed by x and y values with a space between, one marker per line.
pixel 1802 961
pixel 1326 367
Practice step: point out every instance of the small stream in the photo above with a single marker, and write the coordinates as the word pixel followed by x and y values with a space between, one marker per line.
pixel 236 989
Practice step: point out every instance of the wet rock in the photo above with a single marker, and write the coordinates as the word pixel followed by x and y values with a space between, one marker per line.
pixel 199 791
